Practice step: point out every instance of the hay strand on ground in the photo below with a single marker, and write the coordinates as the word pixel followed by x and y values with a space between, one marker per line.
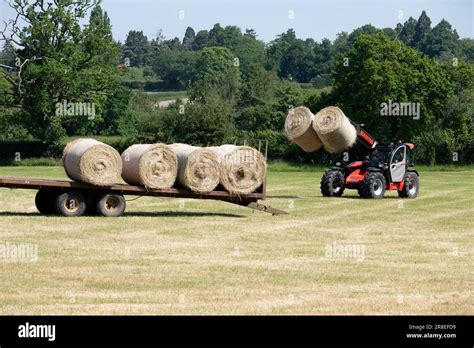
pixel 198 168
pixel 242 168
pixel 334 129
pixel 154 166
pixel 298 127
pixel 92 162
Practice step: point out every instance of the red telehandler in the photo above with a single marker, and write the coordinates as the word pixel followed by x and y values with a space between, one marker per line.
pixel 388 167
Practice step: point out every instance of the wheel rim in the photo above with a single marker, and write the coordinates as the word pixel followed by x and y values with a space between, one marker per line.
pixel 72 204
pixel 337 187
pixel 412 187
pixel 378 187
pixel 112 204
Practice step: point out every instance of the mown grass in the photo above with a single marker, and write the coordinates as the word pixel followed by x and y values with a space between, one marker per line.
pixel 170 256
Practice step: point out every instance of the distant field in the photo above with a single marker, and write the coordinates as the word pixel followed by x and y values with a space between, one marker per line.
pixel 328 256
pixel 168 95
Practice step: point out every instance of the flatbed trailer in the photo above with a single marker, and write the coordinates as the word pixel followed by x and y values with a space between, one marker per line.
pixel 69 198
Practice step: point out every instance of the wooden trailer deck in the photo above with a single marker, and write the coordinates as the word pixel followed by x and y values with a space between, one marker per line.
pixel 54 188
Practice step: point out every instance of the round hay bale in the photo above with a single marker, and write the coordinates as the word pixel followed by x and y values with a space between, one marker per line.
pixel 242 168
pixel 298 127
pixel 154 166
pixel 334 129
pixel 198 168
pixel 92 162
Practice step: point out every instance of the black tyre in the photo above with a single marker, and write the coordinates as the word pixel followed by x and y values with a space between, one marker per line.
pixel 373 186
pixel 332 183
pixel 111 204
pixel 70 203
pixel 411 187
pixel 45 202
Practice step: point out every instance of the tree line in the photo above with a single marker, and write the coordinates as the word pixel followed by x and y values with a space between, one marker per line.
pixel 238 86
pixel 305 61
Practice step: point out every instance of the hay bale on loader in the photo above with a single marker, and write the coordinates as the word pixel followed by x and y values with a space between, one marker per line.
pixel 334 129
pixel 242 168
pixel 154 166
pixel 299 129
pixel 198 168
pixel 92 162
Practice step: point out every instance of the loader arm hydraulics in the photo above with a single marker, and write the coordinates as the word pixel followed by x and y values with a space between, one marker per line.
pixel 363 137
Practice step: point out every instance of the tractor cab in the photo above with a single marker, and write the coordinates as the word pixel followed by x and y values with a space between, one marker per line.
pixel 393 160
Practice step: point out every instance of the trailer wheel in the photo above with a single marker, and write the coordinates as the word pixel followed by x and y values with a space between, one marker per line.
pixel 411 187
pixel 44 201
pixel 111 204
pixel 373 186
pixel 332 184
pixel 70 203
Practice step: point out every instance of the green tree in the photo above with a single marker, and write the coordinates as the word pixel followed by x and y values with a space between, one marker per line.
pixel 381 70
pixel 117 117
pixel 367 29
pixel 458 115
pixel 297 61
pixel 59 60
pixel 467 48
pixel 7 55
pixel 136 48
pixel 443 41
pixel 422 33
pixel 278 48
pixel 188 39
pixel 249 51
pixel 407 33
pixel 201 40
pixel 214 61
pixel 256 99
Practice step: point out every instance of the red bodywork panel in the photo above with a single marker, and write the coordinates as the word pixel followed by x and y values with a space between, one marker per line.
pixel 395 186
pixel 355 164
pixel 358 175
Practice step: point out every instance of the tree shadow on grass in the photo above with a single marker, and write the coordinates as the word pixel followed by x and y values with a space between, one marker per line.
pixel 139 214
pixel 11 213
pixel 180 214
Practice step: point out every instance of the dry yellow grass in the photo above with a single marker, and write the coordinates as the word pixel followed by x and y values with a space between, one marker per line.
pixel 201 257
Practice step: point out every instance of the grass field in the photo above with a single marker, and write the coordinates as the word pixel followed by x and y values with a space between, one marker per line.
pixel 328 256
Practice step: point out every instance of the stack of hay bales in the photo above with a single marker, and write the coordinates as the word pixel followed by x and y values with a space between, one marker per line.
pixel 154 166
pixel 92 162
pixel 242 168
pixel 198 168
pixel 238 169
pixel 332 129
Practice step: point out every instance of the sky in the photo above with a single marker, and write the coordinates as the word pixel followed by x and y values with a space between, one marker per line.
pixel 315 19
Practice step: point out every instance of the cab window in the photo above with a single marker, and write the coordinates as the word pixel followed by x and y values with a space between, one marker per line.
pixel 399 155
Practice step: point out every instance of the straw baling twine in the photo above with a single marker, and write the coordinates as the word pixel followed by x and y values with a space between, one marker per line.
pixel 334 129
pixel 154 166
pixel 298 127
pixel 92 162
pixel 198 168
